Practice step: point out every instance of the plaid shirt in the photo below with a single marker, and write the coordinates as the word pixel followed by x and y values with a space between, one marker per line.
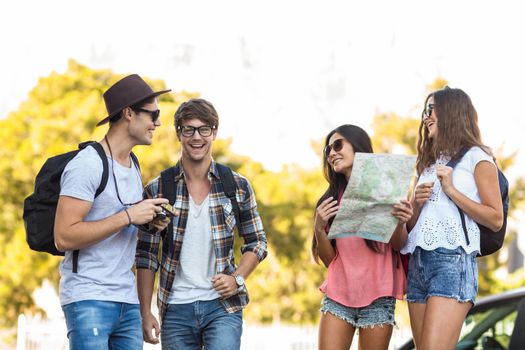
pixel 222 219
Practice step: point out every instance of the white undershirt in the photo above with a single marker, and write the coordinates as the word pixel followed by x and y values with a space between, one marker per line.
pixel 439 223
pixel 197 258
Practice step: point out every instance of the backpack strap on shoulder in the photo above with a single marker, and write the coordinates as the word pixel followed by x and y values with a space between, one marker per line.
pixel 105 170
pixel 229 187
pixel 452 163
pixel 103 182
pixel 167 188
pixel 135 160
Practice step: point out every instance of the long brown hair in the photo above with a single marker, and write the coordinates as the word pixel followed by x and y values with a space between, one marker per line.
pixel 457 124
pixel 337 182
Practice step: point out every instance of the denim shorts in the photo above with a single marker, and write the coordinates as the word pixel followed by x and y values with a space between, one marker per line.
pixel 380 312
pixel 450 273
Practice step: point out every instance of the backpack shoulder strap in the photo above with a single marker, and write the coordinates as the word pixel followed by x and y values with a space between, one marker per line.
pixel 103 182
pixel 135 160
pixel 167 188
pixel 105 164
pixel 167 178
pixel 457 157
pixel 229 187
pixel 453 163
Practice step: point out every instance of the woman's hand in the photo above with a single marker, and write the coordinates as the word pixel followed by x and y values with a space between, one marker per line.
pixel 444 174
pixel 422 193
pixel 324 212
pixel 403 211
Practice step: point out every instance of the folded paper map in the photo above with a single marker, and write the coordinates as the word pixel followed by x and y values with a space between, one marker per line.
pixel 378 181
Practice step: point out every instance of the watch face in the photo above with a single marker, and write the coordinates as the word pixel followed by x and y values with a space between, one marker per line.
pixel 240 280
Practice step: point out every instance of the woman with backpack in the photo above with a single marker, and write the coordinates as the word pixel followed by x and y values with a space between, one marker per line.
pixel 364 277
pixel 442 272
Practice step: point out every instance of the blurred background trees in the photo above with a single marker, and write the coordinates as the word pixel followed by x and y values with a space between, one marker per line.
pixel 63 109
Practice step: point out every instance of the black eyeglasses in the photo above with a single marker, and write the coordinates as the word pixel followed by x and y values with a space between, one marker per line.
pixel 153 114
pixel 428 110
pixel 337 145
pixel 189 131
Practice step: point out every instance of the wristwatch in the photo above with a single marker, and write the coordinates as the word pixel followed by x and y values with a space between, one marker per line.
pixel 239 280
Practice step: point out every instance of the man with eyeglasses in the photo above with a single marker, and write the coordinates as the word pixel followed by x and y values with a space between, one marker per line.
pixel 201 291
pixel 99 299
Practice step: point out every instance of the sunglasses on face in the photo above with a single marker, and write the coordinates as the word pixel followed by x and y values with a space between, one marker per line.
pixel 337 145
pixel 189 131
pixel 428 110
pixel 153 114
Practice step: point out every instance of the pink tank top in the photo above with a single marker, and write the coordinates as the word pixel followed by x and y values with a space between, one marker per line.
pixel 357 275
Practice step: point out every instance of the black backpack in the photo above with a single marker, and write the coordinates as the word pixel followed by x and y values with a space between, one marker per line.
pixel 40 207
pixel 229 187
pixel 490 241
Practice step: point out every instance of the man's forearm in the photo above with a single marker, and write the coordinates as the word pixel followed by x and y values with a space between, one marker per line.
pixel 248 263
pixel 145 281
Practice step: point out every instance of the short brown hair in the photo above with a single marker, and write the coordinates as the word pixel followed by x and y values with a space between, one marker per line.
pixel 197 108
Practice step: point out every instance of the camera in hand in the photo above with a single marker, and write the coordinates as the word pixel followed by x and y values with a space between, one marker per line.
pixel 167 211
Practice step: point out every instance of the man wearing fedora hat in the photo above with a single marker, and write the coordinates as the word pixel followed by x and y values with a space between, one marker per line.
pixel 100 300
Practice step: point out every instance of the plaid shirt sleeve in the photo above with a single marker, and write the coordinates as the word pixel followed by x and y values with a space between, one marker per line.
pixel 147 253
pixel 251 228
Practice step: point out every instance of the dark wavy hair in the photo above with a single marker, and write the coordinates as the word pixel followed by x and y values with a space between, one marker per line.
pixel 457 122
pixel 196 108
pixel 360 142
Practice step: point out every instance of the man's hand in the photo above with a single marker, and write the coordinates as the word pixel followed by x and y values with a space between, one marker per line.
pixel 225 285
pixel 150 329
pixel 160 224
pixel 146 210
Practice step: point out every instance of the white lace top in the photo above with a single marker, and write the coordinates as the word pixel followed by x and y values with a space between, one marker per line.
pixel 439 223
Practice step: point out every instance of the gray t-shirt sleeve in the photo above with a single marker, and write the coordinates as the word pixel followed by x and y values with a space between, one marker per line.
pixel 82 175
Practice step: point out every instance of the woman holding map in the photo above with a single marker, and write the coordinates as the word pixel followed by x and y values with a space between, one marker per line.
pixel 364 277
pixel 442 273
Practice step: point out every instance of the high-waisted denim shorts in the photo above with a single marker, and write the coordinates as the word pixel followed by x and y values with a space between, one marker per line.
pixel 450 273
pixel 380 312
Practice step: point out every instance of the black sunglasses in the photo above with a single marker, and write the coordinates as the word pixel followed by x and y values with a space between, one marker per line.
pixel 189 131
pixel 428 110
pixel 337 145
pixel 153 114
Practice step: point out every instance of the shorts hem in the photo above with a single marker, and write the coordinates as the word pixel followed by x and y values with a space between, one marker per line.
pixel 359 326
pixel 455 297
pixel 342 317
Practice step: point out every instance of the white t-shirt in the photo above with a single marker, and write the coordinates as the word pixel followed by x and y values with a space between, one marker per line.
pixel 439 223
pixel 104 268
pixel 197 258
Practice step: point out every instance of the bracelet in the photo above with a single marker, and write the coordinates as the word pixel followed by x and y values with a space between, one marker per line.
pixel 129 217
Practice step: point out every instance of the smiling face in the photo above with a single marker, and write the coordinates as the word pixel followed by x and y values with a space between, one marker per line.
pixel 142 124
pixel 430 118
pixel 196 148
pixel 340 155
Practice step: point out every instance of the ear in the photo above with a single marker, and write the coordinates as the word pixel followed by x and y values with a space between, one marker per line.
pixel 127 113
pixel 214 133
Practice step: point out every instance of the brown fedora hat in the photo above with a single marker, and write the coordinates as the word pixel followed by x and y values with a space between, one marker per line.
pixel 126 92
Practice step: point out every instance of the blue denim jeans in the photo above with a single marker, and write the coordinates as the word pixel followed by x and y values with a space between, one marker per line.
pixel 449 273
pixel 201 325
pixel 103 325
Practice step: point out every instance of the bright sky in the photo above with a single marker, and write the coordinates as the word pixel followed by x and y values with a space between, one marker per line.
pixel 283 73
